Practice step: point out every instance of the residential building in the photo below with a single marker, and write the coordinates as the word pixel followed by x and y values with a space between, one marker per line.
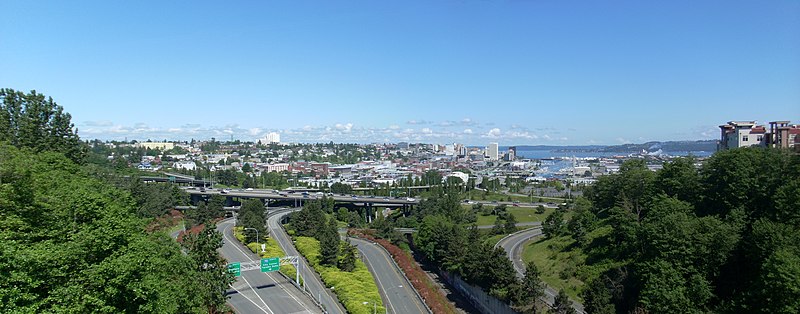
pixel 156 145
pixel 737 134
pixel 271 138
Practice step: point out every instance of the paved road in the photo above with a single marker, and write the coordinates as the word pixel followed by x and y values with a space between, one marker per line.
pixel 397 293
pixel 513 245
pixel 312 283
pixel 257 292
pixel 280 195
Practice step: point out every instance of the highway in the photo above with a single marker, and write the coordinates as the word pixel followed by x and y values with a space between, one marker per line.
pixel 513 244
pixel 312 282
pixel 281 195
pixel 257 292
pixel 397 293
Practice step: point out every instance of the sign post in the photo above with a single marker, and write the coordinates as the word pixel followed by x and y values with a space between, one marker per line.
pixel 235 268
pixel 270 264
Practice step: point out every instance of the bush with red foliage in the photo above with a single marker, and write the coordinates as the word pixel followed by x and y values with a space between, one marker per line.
pixel 426 288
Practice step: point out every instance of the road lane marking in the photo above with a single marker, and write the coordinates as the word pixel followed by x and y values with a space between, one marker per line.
pixel 224 234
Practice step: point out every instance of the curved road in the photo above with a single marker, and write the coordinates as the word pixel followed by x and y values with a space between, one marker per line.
pixel 312 283
pixel 397 293
pixel 513 245
pixel 257 292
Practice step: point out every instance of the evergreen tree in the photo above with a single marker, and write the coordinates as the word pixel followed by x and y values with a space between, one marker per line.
pixel 532 288
pixel 329 243
pixel 35 122
pixel 349 255
pixel 511 224
pixel 553 225
pixel 562 304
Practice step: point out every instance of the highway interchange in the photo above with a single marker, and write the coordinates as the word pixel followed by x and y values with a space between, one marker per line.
pixel 256 292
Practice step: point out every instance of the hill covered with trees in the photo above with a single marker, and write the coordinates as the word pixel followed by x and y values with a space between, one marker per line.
pixel 73 241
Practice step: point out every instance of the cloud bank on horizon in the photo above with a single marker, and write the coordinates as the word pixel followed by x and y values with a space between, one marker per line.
pixel 465 131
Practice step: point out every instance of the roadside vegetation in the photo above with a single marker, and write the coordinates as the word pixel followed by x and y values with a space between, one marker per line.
pixel 721 238
pixel 336 261
pixel 74 237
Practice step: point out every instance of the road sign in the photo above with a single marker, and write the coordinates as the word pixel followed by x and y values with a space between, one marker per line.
pixel 270 264
pixel 235 268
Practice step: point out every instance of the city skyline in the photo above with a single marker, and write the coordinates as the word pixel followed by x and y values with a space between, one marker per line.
pixel 515 73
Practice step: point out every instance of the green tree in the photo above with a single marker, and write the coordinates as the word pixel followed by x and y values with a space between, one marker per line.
pixel 562 304
pixel 251 215
pixel 511 224
pixel 329 243
pixel 597 297
pixel 35 122
pixel 553 225
pixel 347 262
pixel 532 288
pixel 214 277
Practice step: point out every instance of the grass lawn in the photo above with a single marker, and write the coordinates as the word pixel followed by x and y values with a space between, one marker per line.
pixel 562 262
pixel 557 267
pixel 522 214
pixel 477 195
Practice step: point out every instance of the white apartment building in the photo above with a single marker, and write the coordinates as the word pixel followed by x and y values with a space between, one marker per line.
pixel 276 167
pixel 271 137
pixel 156 145
pixel 492 151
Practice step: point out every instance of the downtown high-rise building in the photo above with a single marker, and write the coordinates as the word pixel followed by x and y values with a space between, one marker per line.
pixel 492 151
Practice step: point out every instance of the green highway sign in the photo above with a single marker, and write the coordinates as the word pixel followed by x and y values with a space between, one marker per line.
pixel 235 268
pixel 270 264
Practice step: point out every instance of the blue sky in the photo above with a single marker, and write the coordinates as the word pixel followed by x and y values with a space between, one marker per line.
pixel 514 72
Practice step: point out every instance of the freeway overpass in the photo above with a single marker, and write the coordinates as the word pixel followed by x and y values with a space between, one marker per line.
pixel 300 198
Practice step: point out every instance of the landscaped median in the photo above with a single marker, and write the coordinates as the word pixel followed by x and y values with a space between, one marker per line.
pixel 272 249
pixel 356 290
pixel 426 288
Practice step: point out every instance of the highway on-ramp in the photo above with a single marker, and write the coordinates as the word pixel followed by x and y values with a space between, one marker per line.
pixel 513 244
pixel 398 294
pixel 257 292
pixel 311 281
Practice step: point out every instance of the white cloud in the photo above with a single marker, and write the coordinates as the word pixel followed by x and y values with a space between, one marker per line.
pixel 427 130
pixel 467 131
pixel 254 131
pixel 493 133
pixel 344 127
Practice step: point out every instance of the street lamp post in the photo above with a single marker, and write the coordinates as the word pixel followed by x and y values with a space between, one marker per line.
pixel 257 239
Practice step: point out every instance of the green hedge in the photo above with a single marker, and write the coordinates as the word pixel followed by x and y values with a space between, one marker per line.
pixel 352 288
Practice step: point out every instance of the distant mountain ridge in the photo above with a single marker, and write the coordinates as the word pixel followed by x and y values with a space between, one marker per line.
pixel 669 146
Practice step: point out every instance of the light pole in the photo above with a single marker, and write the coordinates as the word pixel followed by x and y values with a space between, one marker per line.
pixel 256 230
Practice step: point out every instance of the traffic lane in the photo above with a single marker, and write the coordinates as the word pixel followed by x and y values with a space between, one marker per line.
pixel 269 291
pixel 280 295
pixel 399 295
pixel 313 284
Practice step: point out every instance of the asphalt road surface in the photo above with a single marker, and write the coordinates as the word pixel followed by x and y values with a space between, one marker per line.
pixel 513 245
pixel 312 283
pixel 257 292
pixel 397 293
